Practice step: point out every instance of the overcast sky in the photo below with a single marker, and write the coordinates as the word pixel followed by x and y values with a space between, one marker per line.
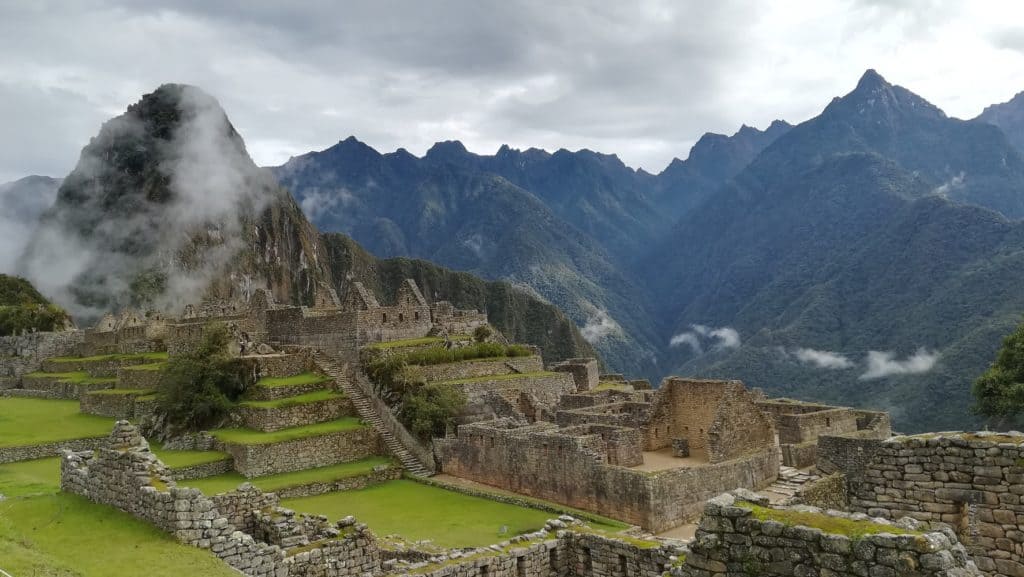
pixel 641 79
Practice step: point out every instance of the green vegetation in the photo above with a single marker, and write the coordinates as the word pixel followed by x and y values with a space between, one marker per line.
pixel 38 421
pixel 832 525
pixel 22 308
pixel 508 377
pixel 183 459
pixel 78 378
pixel 477 351
pixel 24 478
pixel 199 387
pixel 406 343
pixel 147 367
pixel 244 436
pixel 139 392
pixel 430 410
pixel 229 481
pixel 61 535
pixel 999 391
pixel 312 397
pixel 482 333
pixel 419 512
pixel 300 379
pixel 155 356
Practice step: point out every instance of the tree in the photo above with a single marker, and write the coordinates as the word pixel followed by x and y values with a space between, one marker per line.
pixel 199 388
pixel 430 409
pixel 999 391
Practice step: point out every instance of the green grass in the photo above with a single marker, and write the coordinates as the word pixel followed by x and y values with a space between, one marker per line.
pixel 229 481
pixel 39 477
pixel 78 378
pixel 67 536
pixel 419 512
pixel 119 357
pixel 302 379
pixel 423 341
pixel 832 525
pixel 244 436
pixel 146 367
pixel 313 397
pixel 38 421
pixel 181 459
pixel 509 377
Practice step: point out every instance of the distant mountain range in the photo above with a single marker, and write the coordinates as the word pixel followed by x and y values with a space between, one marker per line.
pixel 868 256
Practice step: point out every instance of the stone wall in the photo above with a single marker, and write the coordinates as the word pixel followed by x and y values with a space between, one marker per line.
pixel 31 452
pixel 125 475
pixel 269 419
pixel 828 492
pixel 545 391
pixel 800 424
pixel 333 333
pixel 971 481
pixel 519 458
pixel 471 369
pixel 25 353
pixel 202 470
pixel 257 460
pixel 138 379
pixel 848 454
pixel 731 540
pixel 282 364
pixel 585 372
pixel 107 404
pixel 375 477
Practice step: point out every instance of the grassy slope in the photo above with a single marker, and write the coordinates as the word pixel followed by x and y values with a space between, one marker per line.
pixel 301 379
pixel 229 481
pixel 313 397
pixel 37 421
pixel 180 459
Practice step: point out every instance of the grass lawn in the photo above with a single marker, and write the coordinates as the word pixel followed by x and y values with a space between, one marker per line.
pixel 417 512
pixel 76 377
pixel 509 377
pixel 301 379
pixel 292 401
pixel 181 459
pixel 121 392
pixel 38 421
pixel 119 357
pixel 67 536
pixel 39 477
pixel 270 483
pixel 146 367
pixel 244 436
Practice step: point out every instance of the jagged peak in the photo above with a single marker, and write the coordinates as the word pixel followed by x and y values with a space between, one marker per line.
pixel 872 80
pixel 447 150
pixel 352 146
pixel 873 96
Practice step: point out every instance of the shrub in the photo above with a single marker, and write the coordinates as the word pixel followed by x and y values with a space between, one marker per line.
pixel 199 388
pixel 440 356
pixel 17 319
pixel 429 410
pixel 482 333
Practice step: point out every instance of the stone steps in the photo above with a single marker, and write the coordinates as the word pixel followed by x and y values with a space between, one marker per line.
pixel 368 413
pixel 789 482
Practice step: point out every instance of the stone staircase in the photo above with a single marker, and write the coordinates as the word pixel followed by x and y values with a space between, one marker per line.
pixel 414 459
pixel 789 482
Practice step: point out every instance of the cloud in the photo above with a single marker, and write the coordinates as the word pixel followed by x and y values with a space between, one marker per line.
pixel 599 326
pixel 955 182
pixel 881 364
pixel 822 359
pixel 700 336
pixel 317 202
pixel 641 79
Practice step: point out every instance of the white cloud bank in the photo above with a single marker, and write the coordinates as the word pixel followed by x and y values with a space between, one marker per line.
pixel 822 359
pixel 600 325
pixel 703 336
pixel 881 364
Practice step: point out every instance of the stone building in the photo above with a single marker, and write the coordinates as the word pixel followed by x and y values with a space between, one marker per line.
pixel 799 425
pixel 646 457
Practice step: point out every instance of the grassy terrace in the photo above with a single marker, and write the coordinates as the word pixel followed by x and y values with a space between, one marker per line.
pixel 38 421
pixel 147 367
pixel 244 436
pixel 122 392
pixel 120 357
pixel 80 378
pixel 418 512
pixel 229 481
pixel 302 379
pixel 417 342
pixel 182 459
pixel 313 397
pixel 509 377
pixel 833 525
pixel 39 477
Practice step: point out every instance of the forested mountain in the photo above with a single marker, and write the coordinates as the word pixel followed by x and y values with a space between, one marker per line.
pixel 1008 116
pixel 867 256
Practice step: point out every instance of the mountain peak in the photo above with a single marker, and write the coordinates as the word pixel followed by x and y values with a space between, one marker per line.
pixel 871 80
pixel 447 150
pixel 875 98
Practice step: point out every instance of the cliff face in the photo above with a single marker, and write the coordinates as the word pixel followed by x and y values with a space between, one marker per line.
pixel 166 207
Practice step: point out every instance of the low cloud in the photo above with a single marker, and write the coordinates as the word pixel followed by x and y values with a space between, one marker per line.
pixel 822 359
pixel 881 364
pixel 317 202
pixel 600 325
pixel 701 337
pixel 950 185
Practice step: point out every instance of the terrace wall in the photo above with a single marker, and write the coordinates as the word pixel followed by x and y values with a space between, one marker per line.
pixel 471 369
pixel 257 460
pixel 270 419
pixel 22 354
